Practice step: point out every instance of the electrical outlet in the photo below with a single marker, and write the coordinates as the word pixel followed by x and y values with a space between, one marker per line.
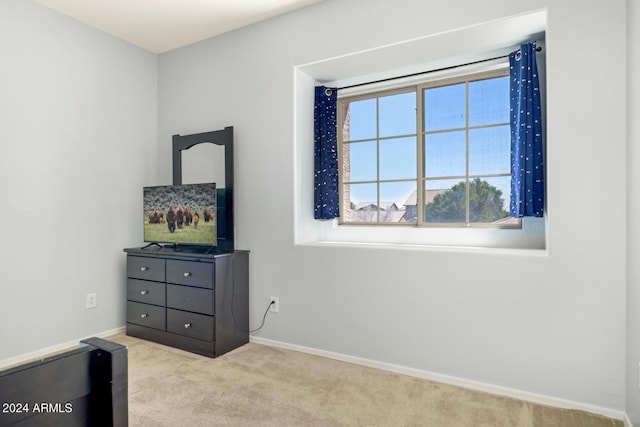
pixel 91 300
pixel 273 304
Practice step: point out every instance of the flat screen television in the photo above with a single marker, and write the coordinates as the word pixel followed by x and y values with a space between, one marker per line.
pixel 180 214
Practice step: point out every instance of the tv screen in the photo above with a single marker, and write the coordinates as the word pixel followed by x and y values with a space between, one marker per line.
pixel 180 214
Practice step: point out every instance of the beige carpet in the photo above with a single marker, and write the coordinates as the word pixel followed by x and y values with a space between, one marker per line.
pixel 257 385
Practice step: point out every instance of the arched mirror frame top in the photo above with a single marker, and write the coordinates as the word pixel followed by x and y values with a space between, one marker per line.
pixel 223 138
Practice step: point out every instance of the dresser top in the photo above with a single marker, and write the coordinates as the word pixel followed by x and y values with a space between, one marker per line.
pixel 181 252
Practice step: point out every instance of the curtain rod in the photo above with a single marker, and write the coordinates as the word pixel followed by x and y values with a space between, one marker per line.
pixel 538 49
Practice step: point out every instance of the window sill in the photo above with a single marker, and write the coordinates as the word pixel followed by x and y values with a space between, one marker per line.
pixel 538 253
pixel 532 237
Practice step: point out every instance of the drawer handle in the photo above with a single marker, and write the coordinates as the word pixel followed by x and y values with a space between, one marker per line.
pixel 187 325
pixel 187 274
pixel 143 315
pixel 144 268
pixel 144 292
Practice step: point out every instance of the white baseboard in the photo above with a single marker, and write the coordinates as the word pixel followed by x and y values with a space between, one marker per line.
pixel 446 379
pixel 627 421
pixel 34 355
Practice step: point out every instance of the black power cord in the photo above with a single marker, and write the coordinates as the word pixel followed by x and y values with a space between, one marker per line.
pixel 264 317
pixel 233 316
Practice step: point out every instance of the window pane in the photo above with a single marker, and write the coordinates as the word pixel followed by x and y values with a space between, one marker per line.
pixel 397 114
pixel 360 162
pixel 360 201
pixel 490 150
pixel 445 154
pixel 489 101
pixel 398 158
pixel 489 199
pixel 393 196
pixel 360 120
pixel 446 201
pixel 444 107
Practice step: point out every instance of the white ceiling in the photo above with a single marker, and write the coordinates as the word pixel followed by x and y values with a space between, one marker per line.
pixel 162 25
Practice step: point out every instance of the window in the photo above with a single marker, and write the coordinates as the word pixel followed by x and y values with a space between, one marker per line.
pixel 432 154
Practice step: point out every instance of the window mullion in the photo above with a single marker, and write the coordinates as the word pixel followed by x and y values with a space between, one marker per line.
pixel 421 171
pixel 377 159
pixel 466 115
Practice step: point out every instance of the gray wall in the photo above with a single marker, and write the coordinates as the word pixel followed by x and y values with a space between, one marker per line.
pixel 547 322
pixel 633 207
pixel 78 117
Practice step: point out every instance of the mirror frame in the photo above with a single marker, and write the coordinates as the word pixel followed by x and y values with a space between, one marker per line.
pixel 223 138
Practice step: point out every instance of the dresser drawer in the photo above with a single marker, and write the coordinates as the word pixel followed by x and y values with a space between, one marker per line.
pixel 192 325
pixel 145 268
pixel 146 315
pixel 198 300
pixel 191 273
pixel 146 291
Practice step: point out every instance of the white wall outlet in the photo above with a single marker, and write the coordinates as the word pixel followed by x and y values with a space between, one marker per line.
pixel 273 304
pixel 91 300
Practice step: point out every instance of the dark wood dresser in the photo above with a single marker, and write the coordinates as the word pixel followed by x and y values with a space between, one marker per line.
pixel 191 299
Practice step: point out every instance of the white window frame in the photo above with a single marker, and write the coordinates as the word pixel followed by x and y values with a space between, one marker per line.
pixel 495 69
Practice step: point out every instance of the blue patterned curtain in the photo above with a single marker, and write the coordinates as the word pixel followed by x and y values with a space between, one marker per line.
pixel 325 183
pixel 527 169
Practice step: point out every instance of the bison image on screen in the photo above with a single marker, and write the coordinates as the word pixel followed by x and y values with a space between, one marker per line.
pixel 183 214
